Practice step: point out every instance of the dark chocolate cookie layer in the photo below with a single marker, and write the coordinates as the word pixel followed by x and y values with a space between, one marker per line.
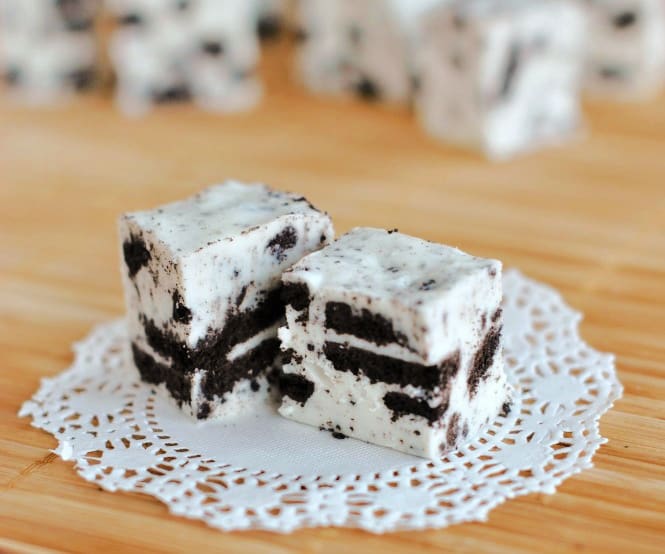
pixel 483 359
pixel 384 369
pixel 296 294
pixel 283 241
pixel 211 352
pixel 366 325
pixel 296 387
pixel 249 366
pixel 401 404
pixel 156 373
pixel 216 382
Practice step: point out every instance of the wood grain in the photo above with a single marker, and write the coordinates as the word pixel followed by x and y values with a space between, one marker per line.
pixel 588 218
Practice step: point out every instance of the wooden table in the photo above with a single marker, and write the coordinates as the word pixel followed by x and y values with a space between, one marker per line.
pixel 588 218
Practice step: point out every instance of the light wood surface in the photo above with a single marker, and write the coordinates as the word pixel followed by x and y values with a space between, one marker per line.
pixel 588 218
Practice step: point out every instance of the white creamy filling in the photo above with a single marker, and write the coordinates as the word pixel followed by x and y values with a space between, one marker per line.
pixel 250 344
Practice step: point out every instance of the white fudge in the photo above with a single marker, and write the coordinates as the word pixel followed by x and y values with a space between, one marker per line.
pixel 47 48
pixel 321 57
pixel 501 76
pixel 202 287
pixel 168 50
pixel 626 47
pixel 364 47
pixel 395 341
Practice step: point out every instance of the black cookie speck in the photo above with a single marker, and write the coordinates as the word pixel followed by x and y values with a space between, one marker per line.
pixel 269 27
pixel 136 254
pixel 212 47
pixel 611 72
pixel 427 285
pixel 624 19
pixel 181 313
pixel 179 93
pixel 301 35
pixel 130 19
pixel 296 387
pixel 367 89
pixel 204 411
pixel 81 79
pixel 281 242
pixel 510 71
pixel 12 76
pixel 453 429
pixel 296 294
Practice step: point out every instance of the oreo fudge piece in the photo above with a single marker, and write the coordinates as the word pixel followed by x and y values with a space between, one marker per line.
pixel 166 51
pixel 626 47
pixel 222 69
pixel 48 51
pixel 394 340
pixel 364 48
pixel 202 287
pixel 501 76
pixel 324 50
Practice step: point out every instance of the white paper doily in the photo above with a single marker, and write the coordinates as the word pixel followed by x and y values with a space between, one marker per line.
pixel 265 472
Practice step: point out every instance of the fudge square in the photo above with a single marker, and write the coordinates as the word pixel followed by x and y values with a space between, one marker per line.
pixel 501 76
pixel 167 51
pixel 394 340
pixel 48 51
pixel 361 47
pixel 384 36
pixel 626 50
pixel 202 287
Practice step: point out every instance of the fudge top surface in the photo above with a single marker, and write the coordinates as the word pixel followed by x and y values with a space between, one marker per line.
pixel 220 212
pixel 380 263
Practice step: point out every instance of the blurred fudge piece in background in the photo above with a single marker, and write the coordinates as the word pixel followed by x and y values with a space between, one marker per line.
pixel 501 76
pixel 48 50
